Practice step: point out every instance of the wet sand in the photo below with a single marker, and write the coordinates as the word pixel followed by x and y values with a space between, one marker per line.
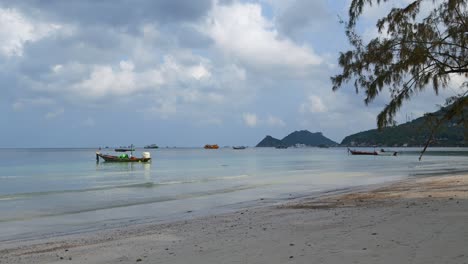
pixel 421 220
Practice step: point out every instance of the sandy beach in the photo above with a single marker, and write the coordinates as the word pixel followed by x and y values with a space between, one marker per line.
pixel 419 220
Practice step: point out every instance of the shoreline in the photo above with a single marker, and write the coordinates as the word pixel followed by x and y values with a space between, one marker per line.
pixel 292 231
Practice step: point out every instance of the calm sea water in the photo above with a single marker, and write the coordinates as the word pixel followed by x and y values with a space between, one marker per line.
pixel 47 192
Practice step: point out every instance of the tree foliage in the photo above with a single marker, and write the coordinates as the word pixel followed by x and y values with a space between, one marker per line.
pixel 414 50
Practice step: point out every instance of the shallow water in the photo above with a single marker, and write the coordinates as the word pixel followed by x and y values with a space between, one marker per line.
pixel 47 192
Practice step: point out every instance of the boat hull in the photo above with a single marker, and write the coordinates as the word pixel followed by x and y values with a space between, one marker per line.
pixel 238 147
pixel 355 152
pixel 111 158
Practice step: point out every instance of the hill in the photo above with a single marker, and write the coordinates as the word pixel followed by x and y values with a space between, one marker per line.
pixel 414 133
pixel 307 138
pixel 269 141
pixel 298 137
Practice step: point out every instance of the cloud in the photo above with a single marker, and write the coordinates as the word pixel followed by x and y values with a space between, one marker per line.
pixel 16 30
pixel 54 114
pixel 275 121
pixel 118 13
pixel 295 16
pixel 313 104
pixel 241 31
pixel 250 119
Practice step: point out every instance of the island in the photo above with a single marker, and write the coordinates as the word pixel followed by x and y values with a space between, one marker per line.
pixel 298 138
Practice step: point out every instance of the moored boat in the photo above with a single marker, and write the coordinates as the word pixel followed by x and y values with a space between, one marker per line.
pixel 356 152
pixel 215 146
pixel 239 147
pixel 373 153
pixel 152 146
pixel 125 149
pixel 123 157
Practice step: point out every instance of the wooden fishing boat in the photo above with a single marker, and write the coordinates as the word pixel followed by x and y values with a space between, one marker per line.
pixel 123 158
pixel 120 158
pixel 356 152
pixel 239 147
pixel 373 153
pixel 211 146
pixel 123 149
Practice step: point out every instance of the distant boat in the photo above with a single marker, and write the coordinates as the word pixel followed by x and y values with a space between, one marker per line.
pixel 356 152
pixel 239 147
pixel 374 153
pixel 281 147
pixel 152 146
pixel 124 149
pixel 215 146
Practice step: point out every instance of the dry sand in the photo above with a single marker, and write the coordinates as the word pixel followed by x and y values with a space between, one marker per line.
pixel 413 221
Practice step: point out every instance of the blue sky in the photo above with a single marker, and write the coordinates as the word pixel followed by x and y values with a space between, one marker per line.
pixel 178 73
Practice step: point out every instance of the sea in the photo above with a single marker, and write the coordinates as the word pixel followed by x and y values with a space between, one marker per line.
pixel 53 192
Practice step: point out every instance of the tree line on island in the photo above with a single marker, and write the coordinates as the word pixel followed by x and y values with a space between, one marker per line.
pixel 411 134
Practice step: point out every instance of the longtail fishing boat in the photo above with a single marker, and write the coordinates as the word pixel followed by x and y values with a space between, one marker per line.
pixel 123 158
pixel 373 153
pixel 356 152
pixel 146 157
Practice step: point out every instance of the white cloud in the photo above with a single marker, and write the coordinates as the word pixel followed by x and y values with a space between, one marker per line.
pixel 16 30
pixel 241 31
pixel 275 121
pixel 250 119
pixel 104 81
pixel 313 104
pixel 57 68
pixel 199 72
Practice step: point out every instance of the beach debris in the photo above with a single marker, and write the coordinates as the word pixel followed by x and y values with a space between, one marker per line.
pixel 374 234
pixel 291 257
pixel 364 248
pixel 138 260
pixel 291 244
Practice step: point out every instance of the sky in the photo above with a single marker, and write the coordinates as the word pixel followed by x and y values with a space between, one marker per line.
pixel 180 73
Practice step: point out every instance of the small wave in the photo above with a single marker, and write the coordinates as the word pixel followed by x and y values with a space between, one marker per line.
pixel 136 202
pixel 111 187
pixel 10 177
